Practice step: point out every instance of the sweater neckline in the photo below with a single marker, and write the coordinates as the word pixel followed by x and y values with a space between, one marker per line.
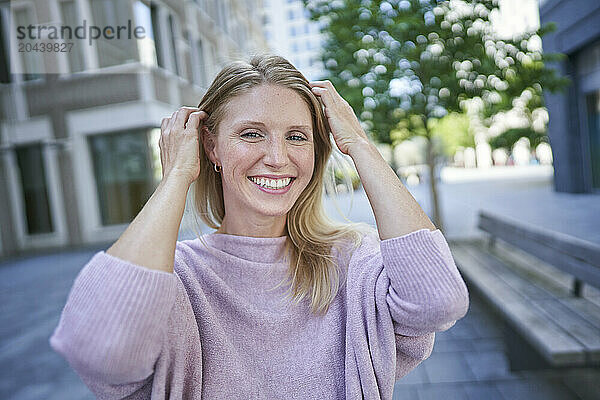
pixel 256 249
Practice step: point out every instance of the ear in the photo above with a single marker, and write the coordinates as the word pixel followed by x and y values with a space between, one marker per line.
pixel 209 144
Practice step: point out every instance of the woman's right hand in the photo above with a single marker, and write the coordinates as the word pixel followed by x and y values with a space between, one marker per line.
pixel 180 144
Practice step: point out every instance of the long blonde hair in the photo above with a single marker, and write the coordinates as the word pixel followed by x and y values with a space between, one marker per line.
pixel 312 235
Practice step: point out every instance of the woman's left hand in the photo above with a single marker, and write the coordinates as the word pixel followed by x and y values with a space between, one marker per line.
pixel 345 127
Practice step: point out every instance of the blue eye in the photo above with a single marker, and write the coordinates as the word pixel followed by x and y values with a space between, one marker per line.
pixel 300 138
pixel 251 133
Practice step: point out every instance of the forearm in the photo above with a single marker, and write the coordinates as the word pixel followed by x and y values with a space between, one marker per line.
pixel 151 238
pixel 396 211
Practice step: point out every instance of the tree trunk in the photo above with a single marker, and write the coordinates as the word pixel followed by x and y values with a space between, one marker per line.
pixel 437 216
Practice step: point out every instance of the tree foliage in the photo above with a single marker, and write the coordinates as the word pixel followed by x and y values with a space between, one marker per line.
pixel 402 64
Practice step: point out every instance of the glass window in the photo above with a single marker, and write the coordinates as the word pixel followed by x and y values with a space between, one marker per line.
pixel 35 191
pixel 147 45
pixel 200 65
pixel 223 15
pixel 31 61
pixel 124 172
pixel 4 67
pixel 155 16
pixel 292 31
pixel 119 49
pixel 172 30
pixel 70 18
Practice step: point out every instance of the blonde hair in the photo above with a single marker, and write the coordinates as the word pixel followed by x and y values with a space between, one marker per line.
pixel 312 235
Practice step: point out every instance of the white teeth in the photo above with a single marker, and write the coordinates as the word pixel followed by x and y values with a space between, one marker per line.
pixel 272 183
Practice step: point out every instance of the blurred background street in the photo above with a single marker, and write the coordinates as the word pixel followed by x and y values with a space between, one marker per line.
pixel 488 112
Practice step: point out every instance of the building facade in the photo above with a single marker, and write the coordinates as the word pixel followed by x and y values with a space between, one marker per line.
pixel 79 130
pixel 574 126
pixel 291 34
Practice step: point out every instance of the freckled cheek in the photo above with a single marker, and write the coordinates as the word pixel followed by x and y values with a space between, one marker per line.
pixel 239 159
pixel 304 159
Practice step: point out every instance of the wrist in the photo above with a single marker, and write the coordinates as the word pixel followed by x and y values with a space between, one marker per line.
pixel 360 146
pixel 176 180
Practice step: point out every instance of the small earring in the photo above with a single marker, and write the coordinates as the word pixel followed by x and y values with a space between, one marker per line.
pixel 217 169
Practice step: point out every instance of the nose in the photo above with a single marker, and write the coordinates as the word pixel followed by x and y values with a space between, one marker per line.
pixel 276 154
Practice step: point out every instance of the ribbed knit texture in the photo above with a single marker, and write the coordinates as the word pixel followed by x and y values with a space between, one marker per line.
pixel 216 329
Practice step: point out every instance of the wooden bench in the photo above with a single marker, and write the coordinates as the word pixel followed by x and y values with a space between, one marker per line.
pixel 534 279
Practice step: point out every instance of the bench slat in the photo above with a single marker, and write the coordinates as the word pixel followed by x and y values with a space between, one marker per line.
pixel 584 332
pixel 532 268
pixel 584 250
pixel 528 241
pixel 557 346
pixel 519 283
pixel 584 308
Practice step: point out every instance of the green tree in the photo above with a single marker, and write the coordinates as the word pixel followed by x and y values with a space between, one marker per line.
pixel 403 65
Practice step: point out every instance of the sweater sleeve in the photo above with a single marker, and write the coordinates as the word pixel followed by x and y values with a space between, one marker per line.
pixel 400 291
pixel 427 293
pixel 112 327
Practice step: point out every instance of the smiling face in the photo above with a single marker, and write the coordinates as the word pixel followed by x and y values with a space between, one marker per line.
pixel 266 132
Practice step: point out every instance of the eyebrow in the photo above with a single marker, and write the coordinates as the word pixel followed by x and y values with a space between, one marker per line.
pixel 249 122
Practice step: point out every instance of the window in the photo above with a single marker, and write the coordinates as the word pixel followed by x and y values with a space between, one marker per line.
pixel 172 30
pixel 292 31
pixel 291 15
pixel 35 189
pixel 223 15
pixel 69 15
pixel 154 15
pixel 4 67
pixel 31 61
pixel 146 45
pixel 124 172
pixel 199 64
pixel 114 51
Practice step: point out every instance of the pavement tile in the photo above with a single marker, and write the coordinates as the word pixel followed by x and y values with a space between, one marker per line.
pixel 485 344
pixel 453 345
pixel 487 327
pixel 584 381
pixel 32 392
pixel 487 365
pixel 448 367
pixel 463 329
pixel 535 389
pixel 405 392
pixel 416 376
pixel 481 391
pixel 445 392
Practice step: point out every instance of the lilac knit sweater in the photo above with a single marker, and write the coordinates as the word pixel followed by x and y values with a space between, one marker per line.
pixel 214 330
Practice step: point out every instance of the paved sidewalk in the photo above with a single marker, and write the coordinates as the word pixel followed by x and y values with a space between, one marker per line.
pixel 469 362
pixel 522 193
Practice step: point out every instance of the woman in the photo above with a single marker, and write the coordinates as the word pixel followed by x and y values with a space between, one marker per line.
pixel 156 318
